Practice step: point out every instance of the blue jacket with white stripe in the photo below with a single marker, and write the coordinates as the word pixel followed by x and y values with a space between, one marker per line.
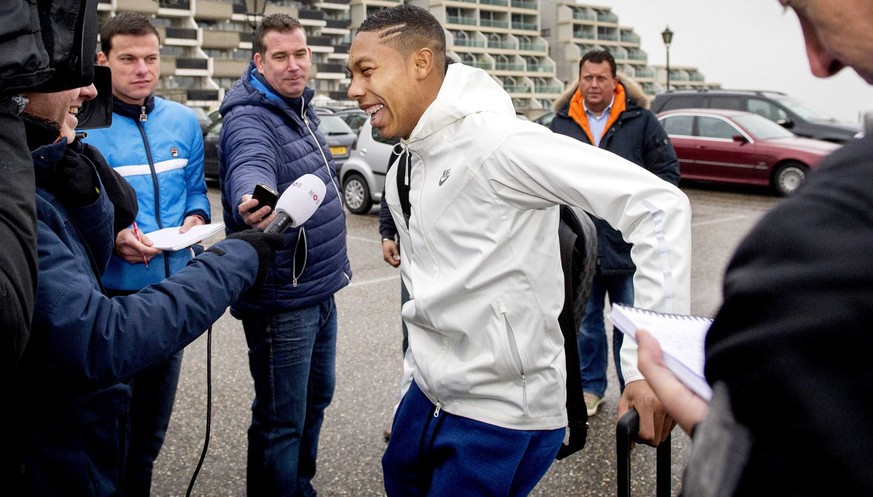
pixel 161 156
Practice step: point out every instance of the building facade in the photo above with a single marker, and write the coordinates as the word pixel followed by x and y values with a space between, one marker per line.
pixel 531 48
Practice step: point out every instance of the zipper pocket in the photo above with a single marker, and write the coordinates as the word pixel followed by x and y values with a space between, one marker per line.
pixel 516 354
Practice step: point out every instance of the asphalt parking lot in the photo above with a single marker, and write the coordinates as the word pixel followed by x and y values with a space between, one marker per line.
pixel 368 368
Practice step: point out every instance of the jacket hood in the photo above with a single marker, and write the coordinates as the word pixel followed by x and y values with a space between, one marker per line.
pixel 249 91
pixel 632 89
pixel 465 90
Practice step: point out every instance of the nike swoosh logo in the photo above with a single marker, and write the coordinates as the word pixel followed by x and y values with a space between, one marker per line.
pixel 445 176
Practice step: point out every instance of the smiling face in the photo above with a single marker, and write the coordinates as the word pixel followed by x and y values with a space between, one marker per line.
pixel 60 107
pixel 393 88
pixel 285 62
pixel 135 62
pixel 838 33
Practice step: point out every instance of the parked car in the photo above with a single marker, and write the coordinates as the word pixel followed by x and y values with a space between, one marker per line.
pixel 794 115
pixel 339 135
pixel 545 119
pixel 354 117
pixel 741 147
pixel 363 173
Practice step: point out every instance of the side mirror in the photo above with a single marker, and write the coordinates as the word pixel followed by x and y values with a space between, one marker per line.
pixel 740 139
pixel 786 123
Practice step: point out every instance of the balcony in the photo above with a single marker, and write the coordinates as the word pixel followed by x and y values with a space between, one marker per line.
pixel 506 45
pixel 181 33
pixel 191 63
pixel 195 94
pixel 467 42
pixel 229 68
pixel 518 4
pixel 502 3
pixel 174 4
pixel 525 26
pixel 582 15
pixel 533 47
pixel 469 21
pixel 630 38
pixel 548 89
pixel 319 41
pixel 541 67
pixel 517 89
pixel 137 6
pixel 493 23
pixel 338 23
pixel 213 10
pixel 509 66
pixel 324 67
pixel 220 39
pixel 314 15
pixel 607 17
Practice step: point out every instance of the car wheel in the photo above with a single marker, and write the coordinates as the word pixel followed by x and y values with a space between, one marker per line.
pixel 788 178
pixel 357 194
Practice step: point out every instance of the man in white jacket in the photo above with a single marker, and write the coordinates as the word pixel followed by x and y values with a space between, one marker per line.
pixel 475 199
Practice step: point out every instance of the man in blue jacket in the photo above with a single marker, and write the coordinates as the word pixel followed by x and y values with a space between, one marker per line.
pixel 602 111
pixel 72 393
pixel 157 146
pixel 270 135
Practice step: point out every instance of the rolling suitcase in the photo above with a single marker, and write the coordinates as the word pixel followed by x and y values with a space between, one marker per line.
pixel 625 433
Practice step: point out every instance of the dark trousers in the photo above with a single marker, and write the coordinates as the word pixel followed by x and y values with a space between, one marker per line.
pixel 437 454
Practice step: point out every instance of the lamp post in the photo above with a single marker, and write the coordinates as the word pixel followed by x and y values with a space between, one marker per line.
pixel 255 12
pixel 667 36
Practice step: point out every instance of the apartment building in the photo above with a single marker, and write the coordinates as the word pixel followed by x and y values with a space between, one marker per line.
pixel 531 48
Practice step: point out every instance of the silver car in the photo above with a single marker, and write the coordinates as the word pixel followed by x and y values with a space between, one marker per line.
pixel 363 173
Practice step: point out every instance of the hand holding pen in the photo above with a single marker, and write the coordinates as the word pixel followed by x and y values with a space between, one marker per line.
pixel 134 247
pixel 139 239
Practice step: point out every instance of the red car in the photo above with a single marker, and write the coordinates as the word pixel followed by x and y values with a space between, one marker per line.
pixel 729 146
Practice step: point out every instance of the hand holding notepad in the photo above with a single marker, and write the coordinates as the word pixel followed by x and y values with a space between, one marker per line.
pixel 681 338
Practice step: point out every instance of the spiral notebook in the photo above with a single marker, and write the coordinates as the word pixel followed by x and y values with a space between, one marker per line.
pixel 681 338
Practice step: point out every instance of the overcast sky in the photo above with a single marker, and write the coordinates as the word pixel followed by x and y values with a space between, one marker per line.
pixel 752 44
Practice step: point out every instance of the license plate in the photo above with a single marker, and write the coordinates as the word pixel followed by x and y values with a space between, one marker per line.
pixel 339 150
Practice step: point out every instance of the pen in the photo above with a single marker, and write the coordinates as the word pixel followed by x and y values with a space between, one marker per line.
pixel 136 233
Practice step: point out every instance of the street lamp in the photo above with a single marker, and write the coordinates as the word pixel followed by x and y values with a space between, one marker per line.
pixel 255 12
pixel 254 15
pixel 667 36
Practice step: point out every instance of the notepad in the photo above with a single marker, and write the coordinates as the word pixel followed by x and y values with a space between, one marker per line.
pixel 681 338
pixel 170 239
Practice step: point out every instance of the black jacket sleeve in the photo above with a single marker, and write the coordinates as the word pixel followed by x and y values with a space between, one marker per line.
pixel 18 260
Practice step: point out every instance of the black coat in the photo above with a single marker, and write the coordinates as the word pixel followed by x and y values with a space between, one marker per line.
pixel 638 137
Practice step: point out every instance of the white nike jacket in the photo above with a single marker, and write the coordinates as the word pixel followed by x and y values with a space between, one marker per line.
pixel 480 254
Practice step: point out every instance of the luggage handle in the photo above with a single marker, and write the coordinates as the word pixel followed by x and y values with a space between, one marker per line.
pixel 625 434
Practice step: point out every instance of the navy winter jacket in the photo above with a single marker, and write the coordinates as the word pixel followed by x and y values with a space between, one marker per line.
pixel 71 399
pixel 268 139
pixel 638 137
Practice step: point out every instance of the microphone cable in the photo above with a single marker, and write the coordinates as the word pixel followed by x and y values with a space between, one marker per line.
pixel 208 410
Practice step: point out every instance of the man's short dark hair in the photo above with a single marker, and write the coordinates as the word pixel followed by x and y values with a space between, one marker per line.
pixel 125 23
pixel 598 56
pixel 407 28
pixel 282 23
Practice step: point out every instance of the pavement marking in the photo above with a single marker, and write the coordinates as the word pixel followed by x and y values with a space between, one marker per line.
pixel 376 240
pixel 719 221
pixel 373 281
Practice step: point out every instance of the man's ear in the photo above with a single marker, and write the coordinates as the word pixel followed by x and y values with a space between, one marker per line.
pixel 102 59
pixel 424 60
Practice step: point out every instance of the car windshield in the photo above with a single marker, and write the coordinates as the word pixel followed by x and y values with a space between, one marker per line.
pixel 802 109
pixel 762 128
pixel 334 125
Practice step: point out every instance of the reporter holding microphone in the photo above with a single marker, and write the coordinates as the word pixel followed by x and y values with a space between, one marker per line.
pixel 270 135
